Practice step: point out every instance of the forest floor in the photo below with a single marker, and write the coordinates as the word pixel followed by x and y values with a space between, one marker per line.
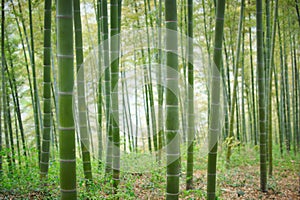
pixel 235 185
pixel 240 181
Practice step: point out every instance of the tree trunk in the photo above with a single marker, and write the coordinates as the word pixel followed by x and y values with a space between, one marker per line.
pixel 261 95
pixel 65 63
pixel 2 66
pixel 44 163
pixel 82 108
pixel 214 118
pixel 114 54
pixel 172 115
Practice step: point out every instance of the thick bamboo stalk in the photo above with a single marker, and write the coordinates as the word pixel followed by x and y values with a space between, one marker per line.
pixel 65 61
pixel 261 95
pixel 46 131
pixel 82 107
pixel 172 115
pixel 114 54
pixel 214 119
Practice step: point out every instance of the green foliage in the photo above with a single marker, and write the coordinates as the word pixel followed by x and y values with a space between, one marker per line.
pixel 24 182
pixel 232 142
pixel 193 194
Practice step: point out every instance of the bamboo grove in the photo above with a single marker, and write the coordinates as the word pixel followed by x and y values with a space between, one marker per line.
pixel 99 81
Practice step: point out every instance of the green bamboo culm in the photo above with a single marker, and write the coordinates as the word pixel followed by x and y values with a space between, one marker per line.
pixel 267 46
pixel 261 95
pixel 9 121
pixel 114 53
pixel 106 61
pixel 99 94
pixel 2 66
pixel 214 118
pixel 191 123
pixel 271 69
pixel 36 105
pixel 82 108
pixel 7 90
pixel 44 163
pixel 172 115
pixel 65 61
pixel 253 88
pixel 5 103
pixel 160 89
